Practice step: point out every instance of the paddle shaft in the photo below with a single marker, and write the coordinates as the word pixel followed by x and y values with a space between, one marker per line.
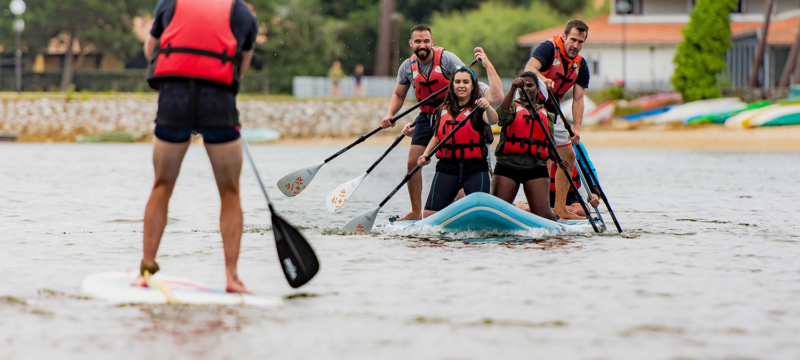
pixel 364 137
pixel 275 227
pixel 553 148
pixel 428 157
pixel 557 105
pixel 394 119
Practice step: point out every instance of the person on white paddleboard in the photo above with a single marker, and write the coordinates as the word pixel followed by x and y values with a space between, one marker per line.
pixel 197 95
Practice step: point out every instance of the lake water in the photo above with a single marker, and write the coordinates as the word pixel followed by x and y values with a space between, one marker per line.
pixel 708 268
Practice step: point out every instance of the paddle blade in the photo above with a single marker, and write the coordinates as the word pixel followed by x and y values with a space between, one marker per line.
pixel 362 224
pixel 296 181
pixel 339 196
pixel 297 258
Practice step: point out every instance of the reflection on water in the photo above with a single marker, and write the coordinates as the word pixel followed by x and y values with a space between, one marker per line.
pixel 707 267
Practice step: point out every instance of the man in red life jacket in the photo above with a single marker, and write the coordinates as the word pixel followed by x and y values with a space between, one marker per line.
pixel 199 51
pixel 428 71
pixel 558 63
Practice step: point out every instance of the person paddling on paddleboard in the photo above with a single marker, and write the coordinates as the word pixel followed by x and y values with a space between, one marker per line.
pixel 199 51
pixel 523 151
pixel 462 159
pixel 558 63
pixel 428 71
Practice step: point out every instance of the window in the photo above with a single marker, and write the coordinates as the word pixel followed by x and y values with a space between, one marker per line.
pixel 740 6
pixel 636 7
pixel 595 67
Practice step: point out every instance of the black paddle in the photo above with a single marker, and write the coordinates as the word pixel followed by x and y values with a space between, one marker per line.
pixel 296 256
pixel 592 175
pixel 296 181
pixel 553 148
pixel 362 224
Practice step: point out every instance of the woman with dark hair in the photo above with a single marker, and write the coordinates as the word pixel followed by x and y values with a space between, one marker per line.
pixel 462 160
pixel 523 149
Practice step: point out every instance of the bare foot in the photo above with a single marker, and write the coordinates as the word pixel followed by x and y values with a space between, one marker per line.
pixel 236 286
pixel 411 216
pixel 140 281
pixel 568 215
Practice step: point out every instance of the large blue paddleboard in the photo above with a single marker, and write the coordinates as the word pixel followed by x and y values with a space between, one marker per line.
pixel 489 214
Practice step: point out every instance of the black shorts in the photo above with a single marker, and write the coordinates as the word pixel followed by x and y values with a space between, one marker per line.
pixel 423 131
pixel 211 134
pixel 571 198
pixel 445 187
pixel 195 103
pixel 521 175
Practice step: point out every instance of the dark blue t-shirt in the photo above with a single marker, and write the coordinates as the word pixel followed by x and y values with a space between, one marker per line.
pixel 546 52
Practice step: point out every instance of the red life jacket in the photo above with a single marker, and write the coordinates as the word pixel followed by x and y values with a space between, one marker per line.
pixel 563 80
pixel 465 144
pixel 435 81
pixel 575 178
pixel 524 135
pixel 199 44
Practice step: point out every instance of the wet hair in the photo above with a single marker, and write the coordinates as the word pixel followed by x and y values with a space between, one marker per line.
pixel 421 27
pixel 577 24
pixel 451 99
pixel 530 74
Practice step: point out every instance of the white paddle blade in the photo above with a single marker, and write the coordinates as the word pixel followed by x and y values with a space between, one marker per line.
pixel 362 224
pixel 296 181
pixel 339 196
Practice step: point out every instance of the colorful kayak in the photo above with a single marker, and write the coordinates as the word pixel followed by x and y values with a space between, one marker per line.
pixel 741 119
pixel 601 114
pixel 260 135
pixel 656 101
pixel 115 287
pixel 721 117
pixel 784 115
pixel 489 216
pixel 646 114
pixel 588 107
pixel 681 113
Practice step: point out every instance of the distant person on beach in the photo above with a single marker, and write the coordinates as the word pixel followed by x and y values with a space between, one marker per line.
pixel 558 63
pixel 197 95
pixel 335 74
pixel 428 71
pixel 358 75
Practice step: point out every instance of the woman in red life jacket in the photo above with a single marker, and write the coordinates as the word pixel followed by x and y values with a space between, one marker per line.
pixel 462 160
pixel 523 150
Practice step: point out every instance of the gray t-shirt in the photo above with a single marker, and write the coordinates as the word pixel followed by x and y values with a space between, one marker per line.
pixel 449 62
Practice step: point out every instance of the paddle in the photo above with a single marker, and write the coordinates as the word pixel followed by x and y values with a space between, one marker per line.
pixel 553 148
pixel 296 181
pixel 557 105
pixel 589 196
pixel 296 256
pixel 362 224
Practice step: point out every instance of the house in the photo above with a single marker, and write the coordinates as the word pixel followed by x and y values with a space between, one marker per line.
pixel 638 47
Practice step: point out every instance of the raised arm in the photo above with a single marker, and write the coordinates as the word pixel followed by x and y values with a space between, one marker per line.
pixel 577 112
pixel 495 92
pixel 150 47
pixel 489 115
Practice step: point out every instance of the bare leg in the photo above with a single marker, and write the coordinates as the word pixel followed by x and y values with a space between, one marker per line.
pixel 562 185
pixel 226 160
pixel 167 159
pixel 415 183
pixel 504 188
pixel 426 213
pixel 459 195
pixel 537 192
pixel 577 209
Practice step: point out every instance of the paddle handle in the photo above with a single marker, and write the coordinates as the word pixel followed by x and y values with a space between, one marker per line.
pixel 557 105
pixel 428 157
pixel 553 149
pixel 394 119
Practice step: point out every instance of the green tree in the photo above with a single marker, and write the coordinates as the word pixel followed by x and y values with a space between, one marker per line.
pixel 700 57
pixel 495 27
pixel 105 26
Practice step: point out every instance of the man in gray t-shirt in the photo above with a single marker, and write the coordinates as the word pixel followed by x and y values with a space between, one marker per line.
pixel 422 43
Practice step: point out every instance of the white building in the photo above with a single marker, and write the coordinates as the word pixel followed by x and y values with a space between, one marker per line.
pixel 651 33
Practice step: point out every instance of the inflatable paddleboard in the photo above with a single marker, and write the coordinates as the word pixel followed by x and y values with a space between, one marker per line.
pixel 115 287
pixel 488 214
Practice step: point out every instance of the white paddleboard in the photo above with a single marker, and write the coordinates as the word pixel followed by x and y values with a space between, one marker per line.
pixel 115 287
